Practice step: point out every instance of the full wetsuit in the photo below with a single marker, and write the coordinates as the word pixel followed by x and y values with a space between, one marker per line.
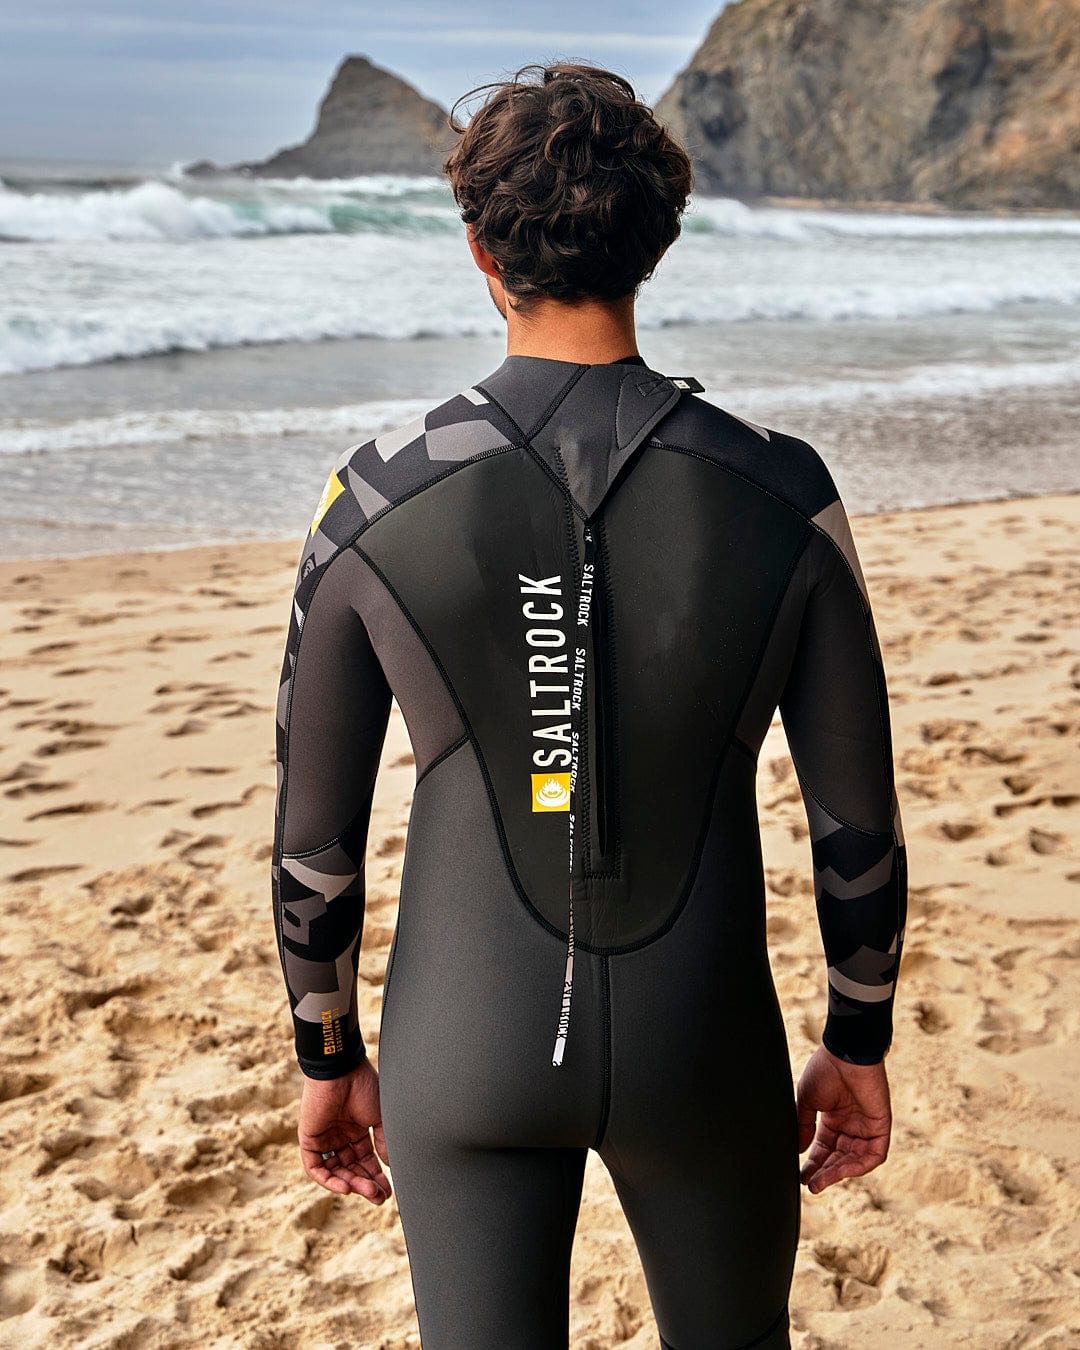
pixel 584 571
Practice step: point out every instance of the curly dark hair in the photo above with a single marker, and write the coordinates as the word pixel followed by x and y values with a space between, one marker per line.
pixel 569 182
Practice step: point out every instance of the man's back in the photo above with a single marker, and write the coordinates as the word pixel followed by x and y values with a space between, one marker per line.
pixel 445 566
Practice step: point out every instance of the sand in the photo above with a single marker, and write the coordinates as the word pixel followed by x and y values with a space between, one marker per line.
pixel 152 1191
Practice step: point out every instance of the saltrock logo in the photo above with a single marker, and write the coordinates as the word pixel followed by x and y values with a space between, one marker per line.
pixel 549 692
pixel 551 791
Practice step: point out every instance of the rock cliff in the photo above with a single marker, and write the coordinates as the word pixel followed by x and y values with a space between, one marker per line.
pixel 964 103
pixel 369 121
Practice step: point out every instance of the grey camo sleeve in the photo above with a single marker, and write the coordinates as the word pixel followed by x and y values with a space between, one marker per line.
pixel 835 713
pixel 333 711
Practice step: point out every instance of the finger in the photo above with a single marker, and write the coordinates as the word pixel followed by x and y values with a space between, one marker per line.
pixel 820 1153
pixel 342 1180
pixel 376 1189
pixel 369 1167
pixel 831 1174
pixel 362 1171
pixel 807 1118
pixel 329 1181
pixel 380 1144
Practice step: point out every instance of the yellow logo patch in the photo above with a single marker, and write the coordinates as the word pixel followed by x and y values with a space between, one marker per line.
pixel 551 792
pixel 330 493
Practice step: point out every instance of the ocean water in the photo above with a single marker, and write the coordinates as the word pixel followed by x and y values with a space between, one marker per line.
pixel 181 360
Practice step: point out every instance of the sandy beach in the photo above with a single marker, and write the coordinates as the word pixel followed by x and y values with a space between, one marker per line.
pixel 152 1191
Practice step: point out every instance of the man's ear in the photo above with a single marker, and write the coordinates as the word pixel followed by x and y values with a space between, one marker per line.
pixel 481 256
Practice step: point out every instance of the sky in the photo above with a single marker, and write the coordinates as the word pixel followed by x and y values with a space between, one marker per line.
pixel 131 81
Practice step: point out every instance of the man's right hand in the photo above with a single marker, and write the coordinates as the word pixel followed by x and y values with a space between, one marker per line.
pixel 341 1117
pixel 852 1136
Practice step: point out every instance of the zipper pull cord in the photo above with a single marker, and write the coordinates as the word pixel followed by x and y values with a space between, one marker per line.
pixel 583 618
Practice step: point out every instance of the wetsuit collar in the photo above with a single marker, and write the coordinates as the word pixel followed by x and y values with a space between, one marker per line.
pixel 584 420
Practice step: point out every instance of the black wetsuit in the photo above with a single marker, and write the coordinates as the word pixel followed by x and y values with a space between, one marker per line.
pixel 589 555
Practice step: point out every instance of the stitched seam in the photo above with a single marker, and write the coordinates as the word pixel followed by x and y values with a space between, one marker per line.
pixel 500 830
pixel 563 484
pixel 330 843
pixel 422 487
pixel 840 820
pixel 735 473
pixel 443 754
pixel 553 406
pixel 739 744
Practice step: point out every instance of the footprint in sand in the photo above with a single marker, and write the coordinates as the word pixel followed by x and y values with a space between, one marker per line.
pixel 43 873
pixel 393 843
pixel 60 1147
pixel 190 852
pixel 191 726
pixel 212 808
pixel 930 1018
pixel 1045 843
pixel 183 686
pixel 15 1083
pixel 68 746
pixel 193 770
pixel 214 1193
pixel 46 648
pixel 857 1270
pixel 1055 799
pixel 958 830
pixel 152 804
pixel 86 1000
pixel 73 809
pixel 1007 1036
pixel 191 1257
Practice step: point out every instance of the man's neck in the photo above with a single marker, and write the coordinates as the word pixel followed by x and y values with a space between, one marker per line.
pixel 592 332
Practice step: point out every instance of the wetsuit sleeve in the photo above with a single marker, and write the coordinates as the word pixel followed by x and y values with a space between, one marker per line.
pixel 333 711
pixel 836 718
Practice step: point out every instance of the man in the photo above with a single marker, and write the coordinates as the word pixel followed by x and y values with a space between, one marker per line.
pixel 589 591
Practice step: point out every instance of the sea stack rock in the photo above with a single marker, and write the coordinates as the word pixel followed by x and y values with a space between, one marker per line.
pixel 962 103
pixel 369 121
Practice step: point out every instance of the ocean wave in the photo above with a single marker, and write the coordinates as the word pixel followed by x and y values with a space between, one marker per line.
pixel 178 206
pixel 48 342
pixel 33 345
pixel 157 211
pixel 358 422
pixel 735 219
pixel 830 304
pixel 953 379
pixel 370 184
